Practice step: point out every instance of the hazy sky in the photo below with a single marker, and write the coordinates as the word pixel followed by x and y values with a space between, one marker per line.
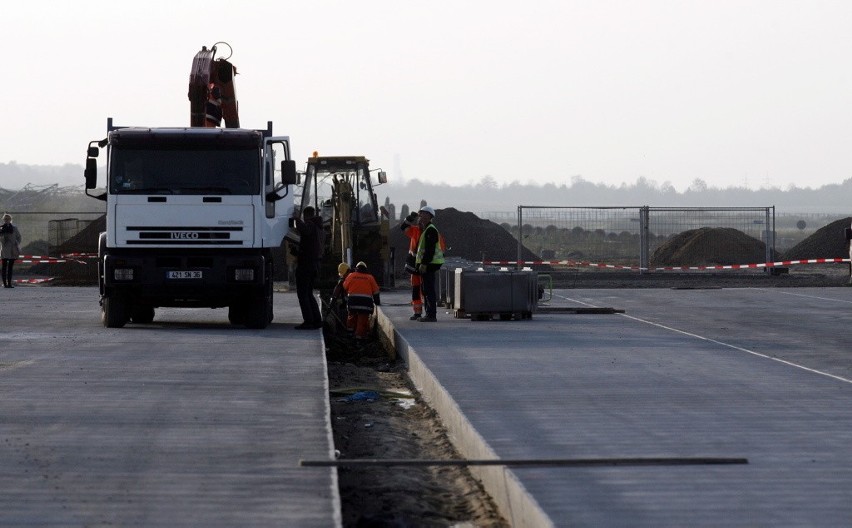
pixel 742 92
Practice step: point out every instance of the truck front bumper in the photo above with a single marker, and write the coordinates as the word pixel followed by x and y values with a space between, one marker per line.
pixel 174 279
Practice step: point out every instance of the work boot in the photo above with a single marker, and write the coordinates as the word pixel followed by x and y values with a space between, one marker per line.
pixel 428 319
pixel 414 317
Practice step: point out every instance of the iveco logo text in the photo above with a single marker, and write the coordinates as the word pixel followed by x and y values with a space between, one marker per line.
pixel 184 235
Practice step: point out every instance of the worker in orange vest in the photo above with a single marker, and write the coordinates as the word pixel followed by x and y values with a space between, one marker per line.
pixel 412 231
pixel 362 296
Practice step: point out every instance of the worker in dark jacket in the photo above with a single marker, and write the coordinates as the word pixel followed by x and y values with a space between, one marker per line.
pixel 429 259
pixel 307 266
pixel 362 296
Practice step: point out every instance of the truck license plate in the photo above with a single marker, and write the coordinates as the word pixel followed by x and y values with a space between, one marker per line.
pixel 183 274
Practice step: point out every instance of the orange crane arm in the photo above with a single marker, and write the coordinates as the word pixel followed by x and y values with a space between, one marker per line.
pixel 219 73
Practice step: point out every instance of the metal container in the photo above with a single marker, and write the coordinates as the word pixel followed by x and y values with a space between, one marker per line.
pixel 509 294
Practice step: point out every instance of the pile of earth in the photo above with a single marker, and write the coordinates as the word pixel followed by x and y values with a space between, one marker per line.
pixel 467 236
pixel 709 246
pixel 827 242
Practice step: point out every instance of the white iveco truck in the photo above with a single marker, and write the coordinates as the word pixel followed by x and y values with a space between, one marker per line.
pixel 192 218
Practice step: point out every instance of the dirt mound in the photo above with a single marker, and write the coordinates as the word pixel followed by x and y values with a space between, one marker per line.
pixel 86 241
pixel 827 242
pixel 709 246
pixel 468 237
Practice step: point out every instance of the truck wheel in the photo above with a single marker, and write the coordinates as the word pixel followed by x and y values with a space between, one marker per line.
pixel 237 313
pixel 114 312
pixel 142 314
pixel 257 314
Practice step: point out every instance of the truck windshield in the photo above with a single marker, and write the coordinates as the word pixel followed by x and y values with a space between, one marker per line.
pixel 195 171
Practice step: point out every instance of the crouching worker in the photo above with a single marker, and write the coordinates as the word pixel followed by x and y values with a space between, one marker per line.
pixel 337 303
pixel 362 294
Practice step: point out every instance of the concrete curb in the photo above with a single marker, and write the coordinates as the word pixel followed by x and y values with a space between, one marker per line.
pixel 335 483
pixel 516 504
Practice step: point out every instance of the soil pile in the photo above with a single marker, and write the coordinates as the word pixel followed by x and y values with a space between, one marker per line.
pixel 468 237
pixel 86 241
pixel 709 246
pixel 827 242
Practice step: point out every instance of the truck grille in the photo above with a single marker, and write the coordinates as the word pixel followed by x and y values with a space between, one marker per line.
pixel 183 235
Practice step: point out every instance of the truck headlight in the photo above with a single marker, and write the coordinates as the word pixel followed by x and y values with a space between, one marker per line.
pixel 123 274
pixel 244 274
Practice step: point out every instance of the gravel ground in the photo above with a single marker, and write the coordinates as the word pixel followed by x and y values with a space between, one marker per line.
pixel 377 414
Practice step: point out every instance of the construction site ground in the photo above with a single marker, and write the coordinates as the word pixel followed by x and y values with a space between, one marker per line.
pixel 683 379
pixel 190 421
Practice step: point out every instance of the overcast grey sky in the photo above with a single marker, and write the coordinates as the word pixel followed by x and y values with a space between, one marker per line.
pixel 751 93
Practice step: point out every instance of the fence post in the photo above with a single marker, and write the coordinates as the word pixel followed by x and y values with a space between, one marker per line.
pixel 770 234
pixel 644 239
pixel 520 235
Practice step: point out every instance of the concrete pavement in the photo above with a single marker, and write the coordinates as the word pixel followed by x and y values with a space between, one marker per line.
pixel 762 374
pixel 187 421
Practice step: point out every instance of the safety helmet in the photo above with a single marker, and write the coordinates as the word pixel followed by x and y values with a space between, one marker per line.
pixel 427 209
pixel 342 268
pixel 361 266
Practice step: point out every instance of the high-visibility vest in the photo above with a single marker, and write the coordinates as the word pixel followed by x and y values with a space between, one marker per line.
pixel 360 288
pixel 438 257
pixel 413 233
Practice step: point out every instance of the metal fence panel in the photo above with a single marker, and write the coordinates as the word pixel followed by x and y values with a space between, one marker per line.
pixel 629 236
pixel 43 233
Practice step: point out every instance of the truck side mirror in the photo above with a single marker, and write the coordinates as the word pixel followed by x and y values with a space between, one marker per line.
pixel 93 152
pixel 289 176
pixel 91 172
pixel 383 177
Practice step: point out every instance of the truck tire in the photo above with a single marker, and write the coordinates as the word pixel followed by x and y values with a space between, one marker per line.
pixel 114 311
pixel 237 313
pixel 258 312
pixel 257 315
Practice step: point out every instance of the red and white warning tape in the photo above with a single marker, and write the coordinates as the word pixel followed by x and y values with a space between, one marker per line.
pixel 666 268
pixel 781 263
pixel 33 281
pixel 38 259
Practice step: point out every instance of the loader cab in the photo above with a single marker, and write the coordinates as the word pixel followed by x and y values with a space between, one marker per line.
pixel 341 185
pixel 341 190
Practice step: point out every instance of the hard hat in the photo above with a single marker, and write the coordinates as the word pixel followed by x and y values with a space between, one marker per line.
pixel 342 268
pixel 361 266
pixel 427 209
